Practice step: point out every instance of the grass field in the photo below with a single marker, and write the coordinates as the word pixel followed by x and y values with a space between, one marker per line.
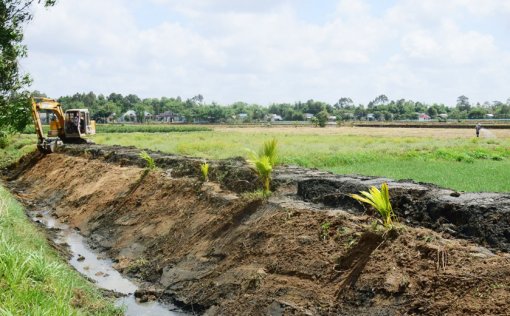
pixel 450 158
pixel 34 280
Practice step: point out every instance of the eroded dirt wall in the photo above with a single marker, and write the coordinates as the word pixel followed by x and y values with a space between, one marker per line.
pixel 219 252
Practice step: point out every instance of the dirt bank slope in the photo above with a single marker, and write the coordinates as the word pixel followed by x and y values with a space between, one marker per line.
pixel 220 252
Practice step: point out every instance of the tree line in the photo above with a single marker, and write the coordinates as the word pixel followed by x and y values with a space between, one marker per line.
pixel 195 109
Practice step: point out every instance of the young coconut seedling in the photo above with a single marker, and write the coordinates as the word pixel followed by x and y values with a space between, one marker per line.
pixel 204 168
pixel 269 149
pixel 264 169
pixel 264 162
pixel 380 200
pixel 151 165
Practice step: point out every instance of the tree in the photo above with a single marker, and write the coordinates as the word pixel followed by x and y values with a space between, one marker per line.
pixel 140 110
pixel 14 99
pixel 105 111
pixel 463 103
pixel 432 112
pixel 382 99
pixel 344 103
pixel 322 118
pixel 477 113
pixel 198 99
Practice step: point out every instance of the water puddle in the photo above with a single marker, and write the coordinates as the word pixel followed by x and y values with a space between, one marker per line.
pixel 99 269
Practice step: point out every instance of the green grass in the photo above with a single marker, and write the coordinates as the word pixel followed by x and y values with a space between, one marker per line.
pixel 34 280
pixel 17 146
pixel 464 164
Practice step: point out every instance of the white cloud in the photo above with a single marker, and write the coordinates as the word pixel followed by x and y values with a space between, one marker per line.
pixel 263 51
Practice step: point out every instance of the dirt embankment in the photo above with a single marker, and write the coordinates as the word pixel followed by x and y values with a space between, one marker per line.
pixel 309 249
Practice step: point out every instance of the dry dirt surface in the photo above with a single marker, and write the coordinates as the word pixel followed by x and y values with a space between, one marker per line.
pixel 307 250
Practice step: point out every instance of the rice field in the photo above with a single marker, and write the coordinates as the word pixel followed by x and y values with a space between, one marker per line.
pixel 451 158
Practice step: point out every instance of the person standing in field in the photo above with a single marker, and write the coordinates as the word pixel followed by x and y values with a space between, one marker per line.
pixel 478 127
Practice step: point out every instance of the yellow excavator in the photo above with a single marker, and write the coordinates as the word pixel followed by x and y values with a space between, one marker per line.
pixel 70 127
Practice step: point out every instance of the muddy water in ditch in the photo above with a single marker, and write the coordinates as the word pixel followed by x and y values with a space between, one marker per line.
pixel 87 262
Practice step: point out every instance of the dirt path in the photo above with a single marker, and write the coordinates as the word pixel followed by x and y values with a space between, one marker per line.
pixel 307 250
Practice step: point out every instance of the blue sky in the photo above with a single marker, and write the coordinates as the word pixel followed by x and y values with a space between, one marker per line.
pixel 264 51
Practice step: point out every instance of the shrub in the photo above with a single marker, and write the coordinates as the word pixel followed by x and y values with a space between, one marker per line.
pixel 380 200
pixel 148 159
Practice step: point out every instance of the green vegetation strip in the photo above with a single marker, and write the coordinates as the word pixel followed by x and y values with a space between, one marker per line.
pixel 135 128
pixel 464 164
pixel 34 280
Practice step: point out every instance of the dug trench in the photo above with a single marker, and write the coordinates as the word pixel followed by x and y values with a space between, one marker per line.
pixel 215 248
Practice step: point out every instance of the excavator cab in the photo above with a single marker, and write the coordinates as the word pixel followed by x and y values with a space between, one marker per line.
pixel 65 128
pixel 78 123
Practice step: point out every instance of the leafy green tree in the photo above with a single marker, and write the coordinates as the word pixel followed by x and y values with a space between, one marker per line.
pixel 140 110
pixel 463 103
pixel 432 112
pixel 322 118
pixel 477 113
pixel 381 99
pixel 14 99
pixel 104 111
pixel 387 116
pixel 344 103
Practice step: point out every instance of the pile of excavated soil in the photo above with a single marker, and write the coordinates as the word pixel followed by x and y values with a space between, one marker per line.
pixel 308 249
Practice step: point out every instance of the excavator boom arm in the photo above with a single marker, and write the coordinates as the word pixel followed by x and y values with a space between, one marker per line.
pixel 39 104
pixel 37 122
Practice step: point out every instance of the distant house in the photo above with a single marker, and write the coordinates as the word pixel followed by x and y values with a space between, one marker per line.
pixel 443 116
pixel 308 116
pixel 489 116
pixel 332 118
pixel 242 116
pixel 423 117
pixel 370 116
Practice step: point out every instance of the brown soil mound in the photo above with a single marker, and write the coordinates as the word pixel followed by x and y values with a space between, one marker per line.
pixel 224 253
